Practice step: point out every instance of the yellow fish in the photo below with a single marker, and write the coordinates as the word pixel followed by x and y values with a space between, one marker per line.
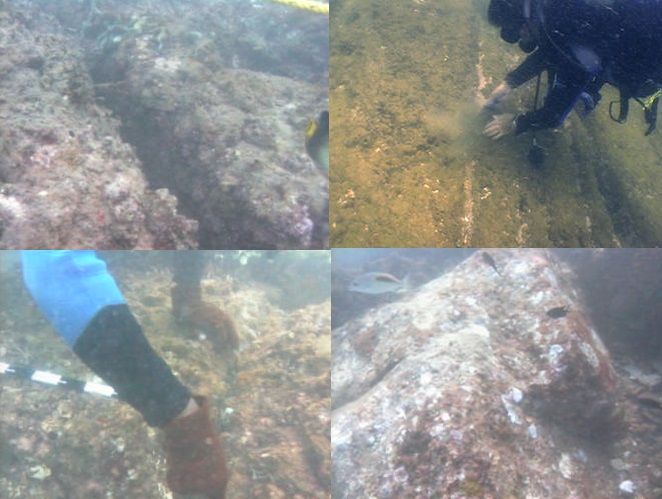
pixel 317 140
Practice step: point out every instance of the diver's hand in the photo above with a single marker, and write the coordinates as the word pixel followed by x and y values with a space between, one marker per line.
pixel 189 309
pixel 500 126
pixel 498 95
pixel 215 323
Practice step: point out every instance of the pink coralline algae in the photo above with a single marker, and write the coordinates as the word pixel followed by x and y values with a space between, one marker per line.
pixel 301 226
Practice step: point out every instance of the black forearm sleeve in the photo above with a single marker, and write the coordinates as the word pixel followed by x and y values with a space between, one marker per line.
pixel 114 347
pixel 531 67
pixel 561 98
pixel 188 266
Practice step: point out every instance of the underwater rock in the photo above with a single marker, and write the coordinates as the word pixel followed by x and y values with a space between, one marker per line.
pixel 67 179
pixel 467 387
pixel 226 138
pixel 623 291
pixel 215 128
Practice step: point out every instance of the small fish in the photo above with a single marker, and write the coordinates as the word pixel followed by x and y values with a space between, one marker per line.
pixel 317 140
pixel 650 402
pixel 558 312
pixel 489 259
pixel 377 283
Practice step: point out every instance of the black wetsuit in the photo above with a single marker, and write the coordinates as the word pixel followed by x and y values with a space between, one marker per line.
pixel 583 44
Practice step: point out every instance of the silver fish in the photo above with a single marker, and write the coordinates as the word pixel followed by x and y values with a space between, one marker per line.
pixel 377 283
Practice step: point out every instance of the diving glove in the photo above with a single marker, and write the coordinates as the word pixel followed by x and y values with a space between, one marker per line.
pixel 189 309
pixel 195 459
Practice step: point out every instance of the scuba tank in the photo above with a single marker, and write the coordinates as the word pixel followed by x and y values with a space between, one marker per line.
pixel 637 72
pixel 619 40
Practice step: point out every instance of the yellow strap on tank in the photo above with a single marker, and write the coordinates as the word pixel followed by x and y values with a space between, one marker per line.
pixel 311 5
pixel 648 103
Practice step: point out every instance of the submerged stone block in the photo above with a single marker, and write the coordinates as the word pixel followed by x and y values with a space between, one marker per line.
pixel 469 387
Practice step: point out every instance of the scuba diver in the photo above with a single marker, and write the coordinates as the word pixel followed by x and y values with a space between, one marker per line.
pixel 581 44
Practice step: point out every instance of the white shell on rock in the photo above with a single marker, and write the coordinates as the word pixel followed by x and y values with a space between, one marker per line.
pixel 40 472
pixel 626 486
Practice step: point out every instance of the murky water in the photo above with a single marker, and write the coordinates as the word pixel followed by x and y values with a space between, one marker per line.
pixel 410 166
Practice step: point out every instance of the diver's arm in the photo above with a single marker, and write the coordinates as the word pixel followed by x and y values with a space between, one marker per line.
pixel 85 305
pixel 531 67
pixel 188 267
pixel 189 308
pixel 534 64
pixel 560 100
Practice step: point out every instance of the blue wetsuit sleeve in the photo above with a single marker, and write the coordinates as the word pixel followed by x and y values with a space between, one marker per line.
pixel 70 288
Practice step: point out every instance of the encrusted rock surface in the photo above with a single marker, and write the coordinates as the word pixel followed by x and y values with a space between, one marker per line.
pixel 117 118
pixel 216 98
pixel 66 177
pixel 489 381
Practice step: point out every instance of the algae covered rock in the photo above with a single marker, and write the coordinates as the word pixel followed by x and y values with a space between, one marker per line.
pixel 489 381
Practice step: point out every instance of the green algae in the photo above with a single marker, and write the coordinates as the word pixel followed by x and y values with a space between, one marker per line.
pixel 410 166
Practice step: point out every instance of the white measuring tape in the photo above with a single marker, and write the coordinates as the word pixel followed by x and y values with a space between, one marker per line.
pixel 28 373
